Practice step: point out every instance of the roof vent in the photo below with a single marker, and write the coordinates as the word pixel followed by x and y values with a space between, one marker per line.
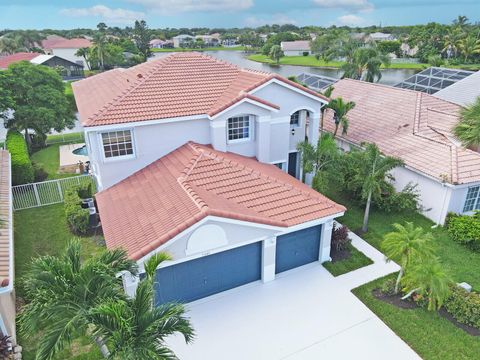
pixel 139 76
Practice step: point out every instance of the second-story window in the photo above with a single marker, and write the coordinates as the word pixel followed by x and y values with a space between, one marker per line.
pixel 117 143
pixel 295 118
pixel 238 128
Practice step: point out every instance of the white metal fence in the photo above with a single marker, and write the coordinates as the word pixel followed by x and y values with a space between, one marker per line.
pixel 46 192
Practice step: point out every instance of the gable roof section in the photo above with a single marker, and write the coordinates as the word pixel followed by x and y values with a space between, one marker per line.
pixel 410 125
pixel 180 84
pixel 6 239
pixel 297 45
pixel 21 56
pixel 168 196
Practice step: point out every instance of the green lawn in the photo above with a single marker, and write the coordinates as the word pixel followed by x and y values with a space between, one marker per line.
pixel 42 231
pixel 356 261
pixel 430 335
pixel 462 263
pixel 213 48
pixel 66 138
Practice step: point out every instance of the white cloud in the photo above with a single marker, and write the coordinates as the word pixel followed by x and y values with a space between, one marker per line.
pixel 352 5
pixel 107 14
pixel 351 20
pixel 177 6
pixel 279 19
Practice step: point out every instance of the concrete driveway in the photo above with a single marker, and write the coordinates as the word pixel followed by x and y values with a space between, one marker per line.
pixel 305 313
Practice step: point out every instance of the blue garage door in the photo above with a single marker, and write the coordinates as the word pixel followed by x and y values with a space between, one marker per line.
pixel 297 248
pixel 208 275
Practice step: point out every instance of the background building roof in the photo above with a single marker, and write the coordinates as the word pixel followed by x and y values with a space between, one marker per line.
pixel 410 125
pixel 298 45
pixel 21 56
pixel 168 196
pixel 76 43
pixel 464 92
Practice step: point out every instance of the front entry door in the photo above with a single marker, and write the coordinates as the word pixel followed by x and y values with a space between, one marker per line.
pixel 292 164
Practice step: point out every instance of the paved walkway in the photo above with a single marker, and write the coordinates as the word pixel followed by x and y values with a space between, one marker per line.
pixel 305 313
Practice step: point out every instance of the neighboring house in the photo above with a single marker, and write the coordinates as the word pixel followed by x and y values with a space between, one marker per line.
pixel 182 40
pixel 295 48
pixel 415 127
pixel 360 36
pixel 195 156
pixel 379 36
pixel 210 40
pixel 67 49
pixel 407 50
pixel 7 291
pixel 70 70
pixel 161 44
pixel 464 92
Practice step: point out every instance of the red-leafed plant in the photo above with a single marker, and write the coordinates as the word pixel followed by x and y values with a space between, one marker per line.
pixel 340 239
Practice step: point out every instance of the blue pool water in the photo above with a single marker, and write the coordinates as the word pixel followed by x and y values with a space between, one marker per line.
pixel 81 151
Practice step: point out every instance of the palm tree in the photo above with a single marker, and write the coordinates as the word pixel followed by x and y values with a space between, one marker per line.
pixel 435 60
pixel 328 93
pixel 10 45
pixel 340 109
pixel 364 64
pixel 407 245
pixel 428 279
pixel 134 328
pixel 467 130
pixel 63 290
pixel 451 41
pixel 373 168
pixel 469 46
pixel 84 52
pixel 276 53
pixel 320 158
pixel 99 43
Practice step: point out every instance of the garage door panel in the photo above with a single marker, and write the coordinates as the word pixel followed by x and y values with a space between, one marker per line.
pixel 297 248
pixel 208 275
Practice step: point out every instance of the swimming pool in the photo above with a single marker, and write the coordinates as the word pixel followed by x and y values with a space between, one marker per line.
pixel 81 151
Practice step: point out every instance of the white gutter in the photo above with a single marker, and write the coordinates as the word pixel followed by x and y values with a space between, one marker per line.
pixel 9 287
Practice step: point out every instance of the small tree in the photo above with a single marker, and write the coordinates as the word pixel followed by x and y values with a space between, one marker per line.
pixel 406 245
pixel 428 279
pixel 318 159
pixel 38 100
pixel 340 110
pixel 141 37
pixel 371 169
pixel 276 53
pixel 467 130
pixel 84 52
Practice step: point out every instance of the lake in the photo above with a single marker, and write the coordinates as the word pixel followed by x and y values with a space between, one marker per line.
pixel 389 76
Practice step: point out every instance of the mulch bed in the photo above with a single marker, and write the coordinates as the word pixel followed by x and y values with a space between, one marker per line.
pixel 339 255
pixel 397 301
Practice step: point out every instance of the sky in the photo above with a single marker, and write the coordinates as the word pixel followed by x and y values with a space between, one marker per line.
pixel 65 14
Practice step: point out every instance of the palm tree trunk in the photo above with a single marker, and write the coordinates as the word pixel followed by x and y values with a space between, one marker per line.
pixel 335 132
pixel 397 283
pixel 367 212
pixel 103 348
pixel 28 140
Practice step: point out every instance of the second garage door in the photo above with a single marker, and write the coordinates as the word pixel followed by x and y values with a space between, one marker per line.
pixel 208 275
pixel 297 248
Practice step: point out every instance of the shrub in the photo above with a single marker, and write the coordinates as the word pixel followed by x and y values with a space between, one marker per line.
pixel 84 190
pixel 77 218
pixel 22 168
pixel 38 141
pixel 39 173
pixel 464 306
pixel 5 347
pixel 388 287
pixel 340 239
pixel 405 200
pixel 465 230
pixel 305 53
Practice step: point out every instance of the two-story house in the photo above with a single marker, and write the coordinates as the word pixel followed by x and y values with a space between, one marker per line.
pixel 198 157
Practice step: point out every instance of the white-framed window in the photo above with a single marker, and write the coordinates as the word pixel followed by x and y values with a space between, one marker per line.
pixel 117 144
pixel 239 128
pixel 295 119
pixel 472 202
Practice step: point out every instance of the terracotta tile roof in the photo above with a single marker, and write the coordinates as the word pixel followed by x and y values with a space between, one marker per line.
pixel 5 210
pixel 410 125
pixel 168 196
pixel 51 40
pixel 9 59
pixel 181 84
pixel 76 43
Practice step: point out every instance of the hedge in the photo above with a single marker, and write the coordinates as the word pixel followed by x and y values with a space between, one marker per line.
pixel 464 306
pixel 22 168
pixel 78 218
pixel 464 229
